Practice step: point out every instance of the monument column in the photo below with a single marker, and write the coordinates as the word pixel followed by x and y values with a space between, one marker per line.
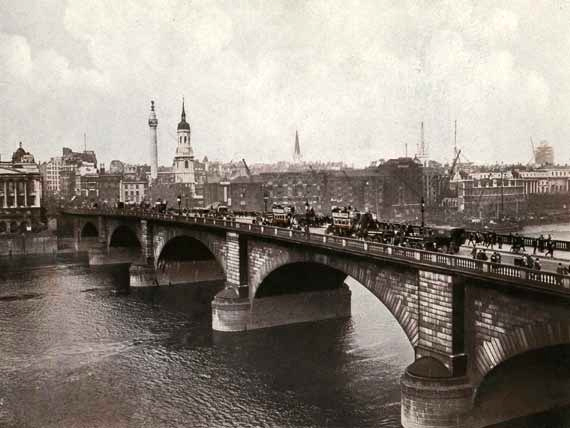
pixel 153 123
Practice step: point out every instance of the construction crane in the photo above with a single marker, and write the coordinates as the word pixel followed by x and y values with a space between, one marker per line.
pixel 246 168
pixel 532 160
pixel 449 176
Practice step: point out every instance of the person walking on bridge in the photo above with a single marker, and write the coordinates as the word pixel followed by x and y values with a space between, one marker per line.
pixel 549 249
pixel 541 243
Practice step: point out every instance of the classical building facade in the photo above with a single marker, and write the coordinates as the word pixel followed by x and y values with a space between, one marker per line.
pixel 20 193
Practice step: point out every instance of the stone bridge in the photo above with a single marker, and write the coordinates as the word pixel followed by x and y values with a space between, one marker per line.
pixel 464 318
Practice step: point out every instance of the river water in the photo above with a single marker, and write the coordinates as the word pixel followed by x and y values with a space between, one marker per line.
pixel 76 354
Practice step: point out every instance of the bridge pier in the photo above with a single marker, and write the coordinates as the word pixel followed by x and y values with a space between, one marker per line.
pixel 436 391
pixel 429 402
pixel 98 254
pixel 231 312
pixel 142 275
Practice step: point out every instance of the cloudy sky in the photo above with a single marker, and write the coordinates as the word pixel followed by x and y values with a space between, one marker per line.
pixel 354 77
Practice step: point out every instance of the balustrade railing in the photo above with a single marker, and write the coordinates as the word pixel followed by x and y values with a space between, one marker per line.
pixel 550 279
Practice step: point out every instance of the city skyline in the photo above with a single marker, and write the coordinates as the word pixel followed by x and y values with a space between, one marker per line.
pixel 356 80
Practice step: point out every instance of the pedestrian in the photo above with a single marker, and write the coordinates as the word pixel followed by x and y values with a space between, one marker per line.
pixel 537 264
pixel 500 242
pixel 481 255
pixel 560 269
pixel 550 249
pixel 534 244
pixel 474 252
pixel 541 243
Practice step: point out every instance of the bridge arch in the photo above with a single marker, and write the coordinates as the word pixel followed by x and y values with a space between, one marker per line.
pixel 534 381
pixel 299 277
pixel 187 258
pixel 163 237
pixel 89 230
pixel 379 279
pixel 124 236
pixel 492 353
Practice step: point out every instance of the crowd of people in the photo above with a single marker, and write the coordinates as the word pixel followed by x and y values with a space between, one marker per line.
pixel 517 242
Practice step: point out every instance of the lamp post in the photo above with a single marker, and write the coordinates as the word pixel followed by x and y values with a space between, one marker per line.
pixel 422 202
pixel 179 200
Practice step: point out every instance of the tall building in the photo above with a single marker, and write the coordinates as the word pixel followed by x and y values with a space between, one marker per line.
pixel 297 151
pixel 183 166
pixel 404 187
pixel 59 169
pixel 544 154
pixel 153 124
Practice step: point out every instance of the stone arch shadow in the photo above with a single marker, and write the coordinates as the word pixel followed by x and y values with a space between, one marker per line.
pixel 531 337
pixel 376 278
pixel 123 244
pixel 527 371
pixel 89 230
pixel 185 257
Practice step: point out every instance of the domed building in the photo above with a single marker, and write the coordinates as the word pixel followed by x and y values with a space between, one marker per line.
pixel 20 193
pixel 22 156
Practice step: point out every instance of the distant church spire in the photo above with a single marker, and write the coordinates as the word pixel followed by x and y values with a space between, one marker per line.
pixel 297 152
pixel 183 125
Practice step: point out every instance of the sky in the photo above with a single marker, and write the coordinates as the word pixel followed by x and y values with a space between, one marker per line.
pixel 355 78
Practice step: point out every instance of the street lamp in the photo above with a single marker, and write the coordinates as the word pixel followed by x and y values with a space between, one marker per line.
pixel 179 200
pixel 422 202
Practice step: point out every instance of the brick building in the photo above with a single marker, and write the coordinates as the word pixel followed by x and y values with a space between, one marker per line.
pixel 404 187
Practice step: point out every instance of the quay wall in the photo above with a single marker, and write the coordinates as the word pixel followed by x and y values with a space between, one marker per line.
pixel 13 245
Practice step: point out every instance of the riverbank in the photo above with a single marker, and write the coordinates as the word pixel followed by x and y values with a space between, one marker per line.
pixel 31 262
pixel 28 244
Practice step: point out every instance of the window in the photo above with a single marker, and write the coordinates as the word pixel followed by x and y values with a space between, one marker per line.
pixel 185 162
pixel 184 139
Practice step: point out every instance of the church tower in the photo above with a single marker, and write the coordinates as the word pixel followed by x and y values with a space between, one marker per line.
pixel 183 165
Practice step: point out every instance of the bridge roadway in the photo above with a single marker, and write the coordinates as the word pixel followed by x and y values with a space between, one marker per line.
pixel 546 279
pixel 464 318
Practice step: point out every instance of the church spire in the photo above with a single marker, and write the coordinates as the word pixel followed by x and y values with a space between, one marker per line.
pixel 297 151
pixel 183 125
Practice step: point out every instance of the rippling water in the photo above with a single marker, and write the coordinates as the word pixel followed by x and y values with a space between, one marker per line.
pixel 560 231
pixel 74 354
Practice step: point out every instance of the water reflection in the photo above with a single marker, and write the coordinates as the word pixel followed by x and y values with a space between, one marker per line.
pixel 76 354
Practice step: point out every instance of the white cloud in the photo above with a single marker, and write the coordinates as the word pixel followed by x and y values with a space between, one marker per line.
pixel 355 78
pixel 15 57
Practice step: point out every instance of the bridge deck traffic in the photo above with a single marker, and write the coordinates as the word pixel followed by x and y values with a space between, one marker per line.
pixel 545 280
